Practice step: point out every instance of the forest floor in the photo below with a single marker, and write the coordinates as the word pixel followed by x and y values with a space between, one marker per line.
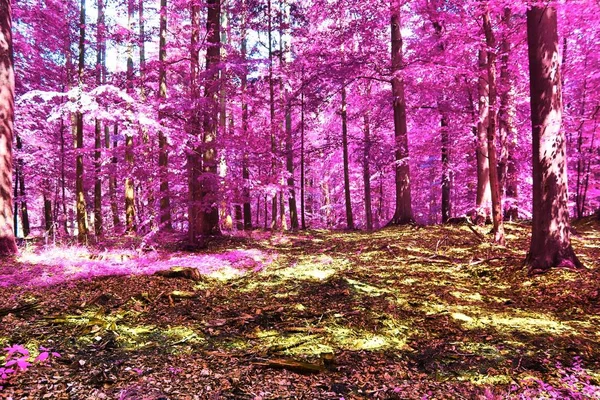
pixel 401 313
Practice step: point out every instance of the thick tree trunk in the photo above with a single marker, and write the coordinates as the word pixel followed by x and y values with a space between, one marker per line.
pixel 194 159
pixel 550 240
pixel 82 224
pixel 163 154
pixel 497 216
pixel 403 213
pixel 347 194
pixel 8 245
pixel 208 214
pixel 483 200
pixel 112 181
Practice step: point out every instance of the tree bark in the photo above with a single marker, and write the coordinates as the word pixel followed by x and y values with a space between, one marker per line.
pixel 347 194
pixel 497 216
pixel 98 228
pixel 403 213
pixel 272 115
pixel 446 205
pixel 507 165
pixel 163 154
pixel 365 162
pixel 483 199
pixel 130 226
pixel 208 215
pixel 244 87
pixel 8 245
pixel 302 160
pixel 550 240
pixel 82 224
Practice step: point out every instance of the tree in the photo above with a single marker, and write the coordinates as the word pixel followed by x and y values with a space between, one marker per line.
pixel 98 128
pixel 82 225
pixel 497 217
pixel 163 155
pixel 550 240
pixel 483 199
pixel 7 91
pixel 204 215
pixel 403 213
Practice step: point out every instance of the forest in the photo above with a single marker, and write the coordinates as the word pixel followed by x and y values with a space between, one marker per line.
pixel 289 199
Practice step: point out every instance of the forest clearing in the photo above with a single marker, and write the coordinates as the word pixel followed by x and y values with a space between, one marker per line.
pixel 413 312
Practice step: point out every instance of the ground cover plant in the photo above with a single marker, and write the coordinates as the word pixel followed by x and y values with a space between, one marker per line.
pixel 411 312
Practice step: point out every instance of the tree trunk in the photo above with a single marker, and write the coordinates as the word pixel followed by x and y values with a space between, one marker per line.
pixel 365 162
pixel 272 115
pixel 446 204
pixel 347 194
pixel 8 245
pixel 82 224
pixel 550 240
pixel 497 216
pixel 245 167
pixel 48 222
pixel 483 200
pixel 130 226
pixel 208 215
pixel 22 199
pixel 302 160
pixel 403 211
pixel 98 128
pixel 163 154
pixel 507 165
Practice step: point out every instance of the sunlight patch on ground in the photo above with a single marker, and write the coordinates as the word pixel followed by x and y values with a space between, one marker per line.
pixel 366 288
pixel 54 265
pixel 317 268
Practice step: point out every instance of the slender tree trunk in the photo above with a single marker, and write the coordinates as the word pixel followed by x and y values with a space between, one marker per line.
pixel 272 115
pixel 446 182
pixel 550 240
pixel 163 154
pixel 365 162
pixel 82 224
pixel 8 245
pixel 497 216
pixel 347 194
pixel 194 157
pixel 403 213
pixel 130 226
pixel 48 221
pixel 63 180
pixel 302 160
pixel 483 200
pixel 22 198
pixel 245 132
pixel 507 166
pixel 98 128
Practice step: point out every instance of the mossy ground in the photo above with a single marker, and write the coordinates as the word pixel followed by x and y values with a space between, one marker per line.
pixel 399 313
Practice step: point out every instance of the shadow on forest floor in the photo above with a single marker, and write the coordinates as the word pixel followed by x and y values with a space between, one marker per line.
pixel 398 313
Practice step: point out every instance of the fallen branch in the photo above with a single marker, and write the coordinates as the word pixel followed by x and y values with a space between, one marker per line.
pixel 19 309
pixel 292 365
